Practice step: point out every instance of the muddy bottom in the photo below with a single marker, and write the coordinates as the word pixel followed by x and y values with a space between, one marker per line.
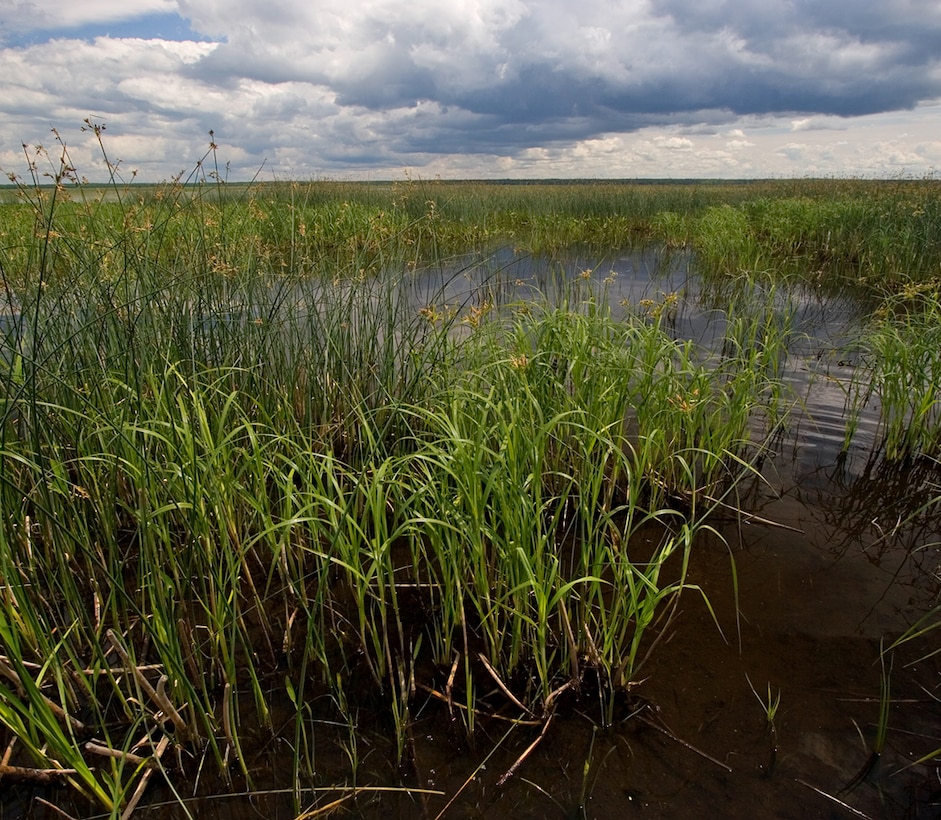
pixel 839 557
pixel 813 611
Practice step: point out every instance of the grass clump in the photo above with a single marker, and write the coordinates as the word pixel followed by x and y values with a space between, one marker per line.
pixel 870 235
pixel 901 347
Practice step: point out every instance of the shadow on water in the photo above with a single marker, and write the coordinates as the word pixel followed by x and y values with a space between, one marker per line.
pixel 844 558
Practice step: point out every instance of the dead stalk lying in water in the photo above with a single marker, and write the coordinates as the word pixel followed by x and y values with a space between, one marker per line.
pixel 855 812
pixel 656 723
pixel 528 751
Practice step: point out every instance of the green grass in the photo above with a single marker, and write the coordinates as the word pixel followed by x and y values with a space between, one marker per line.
pixel 901 372
pixel 215 526
pixel 240 465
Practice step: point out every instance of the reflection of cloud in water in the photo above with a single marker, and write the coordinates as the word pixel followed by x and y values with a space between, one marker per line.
pixel 819 324
pixel 848 502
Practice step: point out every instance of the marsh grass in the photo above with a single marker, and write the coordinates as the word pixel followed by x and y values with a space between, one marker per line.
pixel 901 349
pixel 770 703
pixel 241 466
pixel 873 236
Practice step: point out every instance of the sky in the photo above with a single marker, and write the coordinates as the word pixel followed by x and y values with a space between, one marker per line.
pixel 457 89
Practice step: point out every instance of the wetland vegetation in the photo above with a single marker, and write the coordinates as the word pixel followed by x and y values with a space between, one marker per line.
pixel 309 489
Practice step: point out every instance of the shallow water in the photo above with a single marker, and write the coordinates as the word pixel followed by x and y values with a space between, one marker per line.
pixel 836 558
pixel 841 561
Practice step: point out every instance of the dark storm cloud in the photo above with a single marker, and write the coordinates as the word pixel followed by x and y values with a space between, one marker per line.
pixel 550 71
pixel 843 57
pixel 387 82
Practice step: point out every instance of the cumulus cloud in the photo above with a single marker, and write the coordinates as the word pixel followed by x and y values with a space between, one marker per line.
pixel 347 84
pixel 794 151
pixel 29 15
pixel 820 123
pixel 676 143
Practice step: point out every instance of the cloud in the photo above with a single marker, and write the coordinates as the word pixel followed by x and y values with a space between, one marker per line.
pixel 794 151
pixel 610 61
pixel 20 16
pixel 819 124
pixel 676 143
pixel 359 84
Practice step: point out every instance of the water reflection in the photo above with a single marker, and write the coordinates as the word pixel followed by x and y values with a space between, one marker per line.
pixel 857 557
pixel 819 324
pixel 849 503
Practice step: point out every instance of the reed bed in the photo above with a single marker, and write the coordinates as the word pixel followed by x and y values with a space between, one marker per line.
pixel 900 373
pixel 242 465
pixel 869 233
pixel 875 236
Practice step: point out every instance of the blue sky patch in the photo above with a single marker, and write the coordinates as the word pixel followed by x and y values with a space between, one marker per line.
pixel 147 27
